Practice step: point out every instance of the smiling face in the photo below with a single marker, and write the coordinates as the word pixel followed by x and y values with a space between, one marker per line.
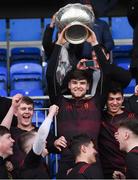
pixel 6 145
pixel 24 115
pixel 78 88
pixel 114 103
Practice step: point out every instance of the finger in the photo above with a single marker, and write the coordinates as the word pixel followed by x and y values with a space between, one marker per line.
pixel 62 143
pixel 59 148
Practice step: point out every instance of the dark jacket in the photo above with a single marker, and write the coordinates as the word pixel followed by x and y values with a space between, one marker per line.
pixel 110 75
pixel 132 12
pixel 112 158
pixel 3 169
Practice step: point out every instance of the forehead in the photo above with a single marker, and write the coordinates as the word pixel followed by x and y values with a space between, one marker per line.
pixel 116 95
pixel 23 104
pixel 5 135
pixel 121 129
pixel 77 80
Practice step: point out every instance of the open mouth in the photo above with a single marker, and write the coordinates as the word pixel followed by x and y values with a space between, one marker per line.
pixel 26 117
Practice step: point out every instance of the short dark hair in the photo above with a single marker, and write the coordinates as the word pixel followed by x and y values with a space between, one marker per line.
pixel 77 141
pixel 23 139
pixel 4 130
pixel 27 100
pixel 115 90
pixel 80 75
pixel 131 124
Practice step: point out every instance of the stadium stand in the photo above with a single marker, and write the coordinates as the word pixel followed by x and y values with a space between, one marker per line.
pixel 25 54
pixel 3 35
pixel 26 76
pixel 25 30
pixel 3 93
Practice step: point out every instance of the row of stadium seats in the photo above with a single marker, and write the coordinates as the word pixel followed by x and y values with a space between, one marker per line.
pixel 32 29
pixel 21 73
pixel 25 71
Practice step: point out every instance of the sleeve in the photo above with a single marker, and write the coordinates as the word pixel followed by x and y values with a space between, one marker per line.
pixel 5 104
pixel 132 165
pixel 107 37
pixel 3 170
pixel 47 43
pixel 54 88
pixel 115 73
pixel 32 159
pixel 40 140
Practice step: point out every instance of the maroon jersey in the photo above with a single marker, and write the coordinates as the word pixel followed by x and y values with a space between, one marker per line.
pixel 110 155
pixel 79 116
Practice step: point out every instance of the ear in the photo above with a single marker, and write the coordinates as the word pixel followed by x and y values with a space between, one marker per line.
pixel 69 85
pixel 123 98
pixel 126 135
pixel 83 149
pixel 107 56
pixel 88 86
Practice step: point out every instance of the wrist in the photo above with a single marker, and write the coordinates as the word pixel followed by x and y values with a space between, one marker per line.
pixel 94 43
pixel 52 25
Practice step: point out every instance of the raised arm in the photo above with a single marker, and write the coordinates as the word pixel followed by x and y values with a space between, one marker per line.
pixel 40 140
pixel 9 116
pixel 54 88
pixel 47 42
pixel 113 71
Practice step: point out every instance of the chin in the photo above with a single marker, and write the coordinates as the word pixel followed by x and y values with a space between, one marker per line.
pixel 78 96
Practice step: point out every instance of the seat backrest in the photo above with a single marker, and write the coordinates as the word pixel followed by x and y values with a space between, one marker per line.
pixel 121 28
pixel 3 57
pixel 3 92
pixel 28 54
pixel 122 62
pixel 3 34
pixel 26 69
pixel 131 87
pixel 25 30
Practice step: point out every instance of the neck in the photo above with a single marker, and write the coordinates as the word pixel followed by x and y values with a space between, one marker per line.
pixel 115 113
pixel 131 144
pixel 81 159
pixel 26 128
pixel 2 155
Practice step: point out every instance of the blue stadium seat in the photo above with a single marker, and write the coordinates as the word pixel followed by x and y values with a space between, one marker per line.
pixel 25 30
pixel 130 88
pixel 106 19
pixel 123 62
pixel 3 93
pixel 3 36
pixel 47 21
pixel 122 51
pixel 39 115
pixel 28 54
pixel 3 78
pixel 37 92
pixel 26 76
pixel 20 91
pixel 121 28
pixel 3 57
